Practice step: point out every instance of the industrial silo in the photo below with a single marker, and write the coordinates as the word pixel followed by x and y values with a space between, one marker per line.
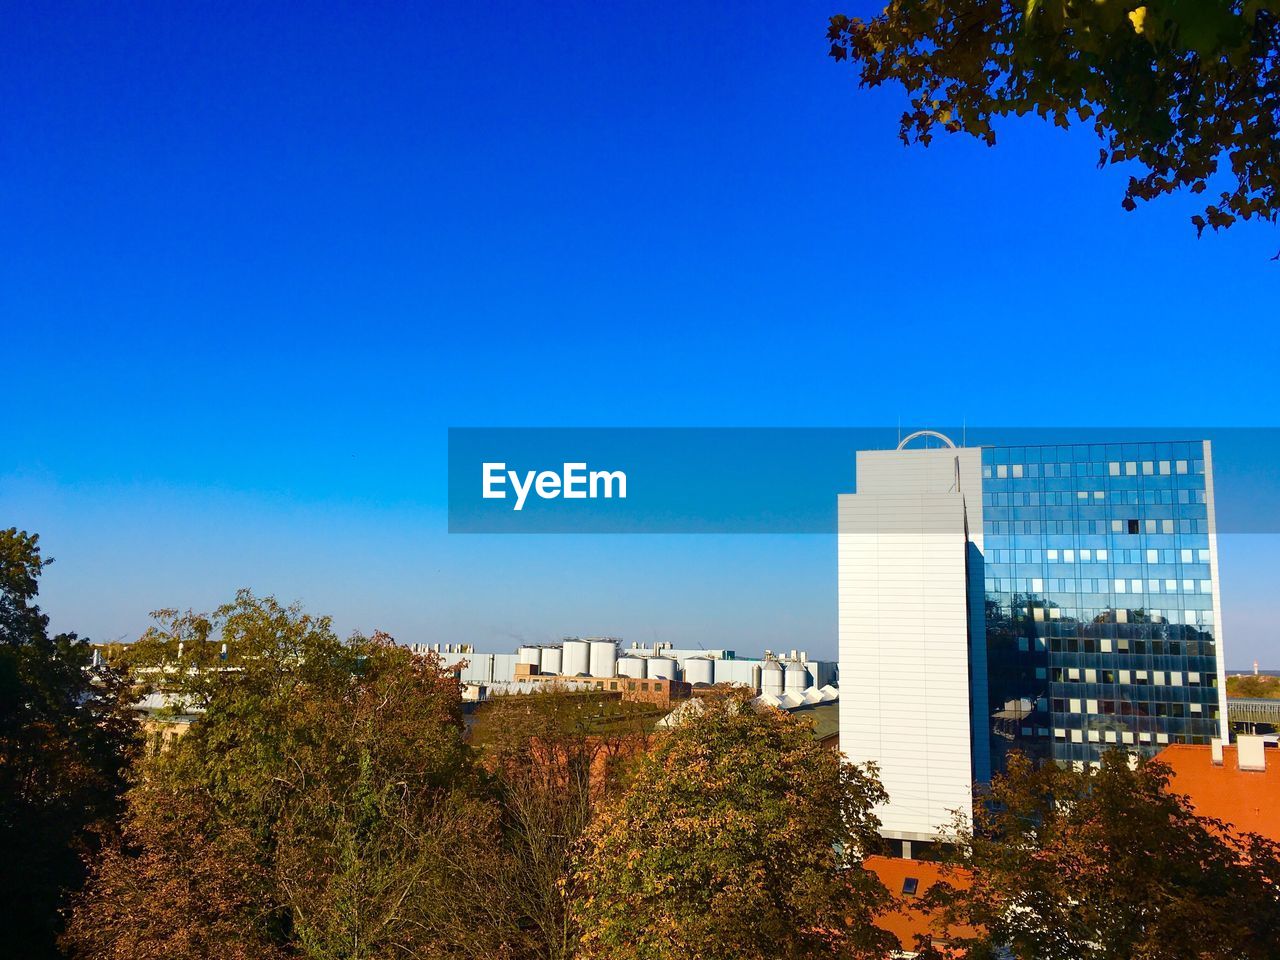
pixel 552 660
pixel 604 658
pixel 576 660
pixel 530 655
pixel 796 677
pixel 700 670
pixel 630 666
pixel 771 678
pixel 663 668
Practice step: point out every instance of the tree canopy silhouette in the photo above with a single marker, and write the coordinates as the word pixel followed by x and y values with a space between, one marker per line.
pixel 1187 90
pixel 66 741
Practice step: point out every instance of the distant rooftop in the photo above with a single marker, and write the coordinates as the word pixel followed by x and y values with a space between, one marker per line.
pixel 907 881
pixel 1249 800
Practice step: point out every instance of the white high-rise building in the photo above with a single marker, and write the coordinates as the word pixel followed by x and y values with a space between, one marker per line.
pixel 907 644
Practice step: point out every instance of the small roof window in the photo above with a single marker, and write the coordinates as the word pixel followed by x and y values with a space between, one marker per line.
pixel 910 885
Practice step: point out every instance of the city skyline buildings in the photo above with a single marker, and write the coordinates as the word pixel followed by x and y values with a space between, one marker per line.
pixel 1055 599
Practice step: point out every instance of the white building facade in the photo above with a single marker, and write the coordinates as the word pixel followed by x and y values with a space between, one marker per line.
pixel 911 643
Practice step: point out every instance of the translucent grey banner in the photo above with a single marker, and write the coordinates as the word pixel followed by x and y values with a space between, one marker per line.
pixel 787 480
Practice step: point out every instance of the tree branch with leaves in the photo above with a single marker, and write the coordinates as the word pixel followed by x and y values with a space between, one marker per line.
pixel 1186 90
pixel 1107 864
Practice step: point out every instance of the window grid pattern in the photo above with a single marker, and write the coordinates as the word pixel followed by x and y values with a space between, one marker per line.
pixel 1099 599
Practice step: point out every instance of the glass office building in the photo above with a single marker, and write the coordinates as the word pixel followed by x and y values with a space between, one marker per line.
pixel 1059 600
pixel 1102 606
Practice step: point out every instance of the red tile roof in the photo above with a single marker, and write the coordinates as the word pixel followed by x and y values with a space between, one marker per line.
pixel 1249 800
pixel 905 919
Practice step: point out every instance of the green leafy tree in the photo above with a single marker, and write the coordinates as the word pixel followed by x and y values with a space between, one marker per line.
pixel 66 741
pixel 737 836
pixel 1188 90
pixel 319 808
pixel 1107 864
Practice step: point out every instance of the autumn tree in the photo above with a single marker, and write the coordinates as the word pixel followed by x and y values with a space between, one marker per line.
pixel 1107 864
pixel 319 808
pixel 1188 92
pixel 737 836
pixel 66 741
pixel 555 757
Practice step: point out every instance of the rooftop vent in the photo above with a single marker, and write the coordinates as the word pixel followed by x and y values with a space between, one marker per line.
pixel 1251 753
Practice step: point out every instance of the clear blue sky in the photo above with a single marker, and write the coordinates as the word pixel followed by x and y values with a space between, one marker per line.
pixel 255 261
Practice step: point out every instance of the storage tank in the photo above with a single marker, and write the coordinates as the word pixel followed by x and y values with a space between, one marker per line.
pixel 700 670
pixel 630 666
pixel 663 668
pixel 552 660
pixel 577 658
pixel 796 677
pixel 604 658
pixel 530 655
pixel 771 678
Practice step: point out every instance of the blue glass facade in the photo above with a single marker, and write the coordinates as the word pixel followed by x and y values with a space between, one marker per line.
pixel 1100 621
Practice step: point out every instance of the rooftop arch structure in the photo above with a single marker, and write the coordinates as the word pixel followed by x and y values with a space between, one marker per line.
pixel 902 444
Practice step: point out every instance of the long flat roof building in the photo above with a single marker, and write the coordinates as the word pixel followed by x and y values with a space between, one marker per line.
pixel 1054 599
